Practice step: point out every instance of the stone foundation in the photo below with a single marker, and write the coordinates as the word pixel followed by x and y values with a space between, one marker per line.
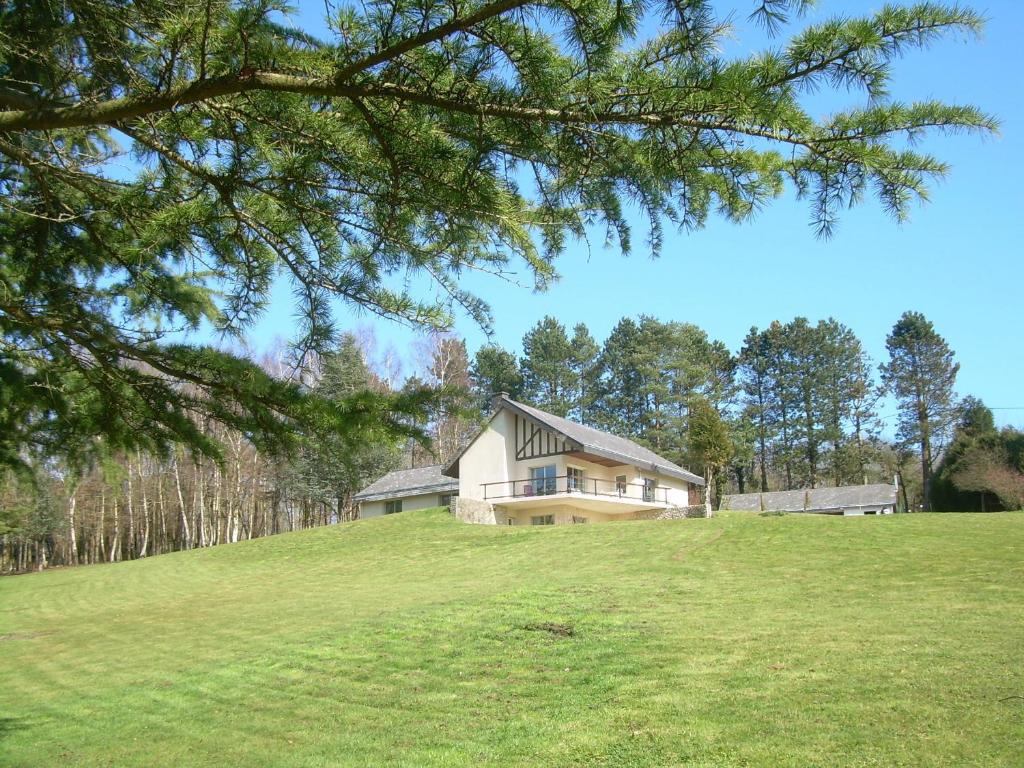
pixel 673 513
pixel 473 511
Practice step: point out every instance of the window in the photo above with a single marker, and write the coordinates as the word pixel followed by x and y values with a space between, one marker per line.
pixel 446 499
pixel 649 487
pixel 390 507
pixel 575 478
pixel 620 485
pixel 511 521
pixel 543 480
pixel 578 520
pixel 542 520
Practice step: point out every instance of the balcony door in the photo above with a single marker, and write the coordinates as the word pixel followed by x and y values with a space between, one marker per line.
pixel 543 479
pixel 575 479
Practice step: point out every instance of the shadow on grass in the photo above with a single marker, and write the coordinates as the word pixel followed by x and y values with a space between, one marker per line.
pixel 9 725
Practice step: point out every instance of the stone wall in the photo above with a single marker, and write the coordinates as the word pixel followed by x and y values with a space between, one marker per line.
pixel 672 513
pixel 473 511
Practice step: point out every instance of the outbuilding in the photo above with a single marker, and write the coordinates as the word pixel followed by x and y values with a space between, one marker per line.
pixel 847 500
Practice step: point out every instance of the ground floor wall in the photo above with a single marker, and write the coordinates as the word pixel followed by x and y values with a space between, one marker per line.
pixel 483 513
pixel 409 503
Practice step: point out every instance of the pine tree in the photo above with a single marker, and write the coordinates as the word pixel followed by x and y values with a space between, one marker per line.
pixel 162 162
pixel 548 380
pixel 494 370
pixel 584 364
pixel 921 375
pixel 755 372
pixel 334 466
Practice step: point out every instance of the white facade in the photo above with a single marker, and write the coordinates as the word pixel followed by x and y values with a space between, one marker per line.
pixel 573 489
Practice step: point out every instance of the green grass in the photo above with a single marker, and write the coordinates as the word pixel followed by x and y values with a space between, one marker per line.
pixel 413 640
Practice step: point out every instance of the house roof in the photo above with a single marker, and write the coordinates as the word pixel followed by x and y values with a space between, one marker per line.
pixel 814 499
pixel 408 482
pixel 590 440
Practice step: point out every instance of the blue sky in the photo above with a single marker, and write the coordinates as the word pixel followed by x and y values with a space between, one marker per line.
pixel 958 260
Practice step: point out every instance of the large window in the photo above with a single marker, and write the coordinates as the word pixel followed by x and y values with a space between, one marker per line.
pixel 542 520
pixel 542 480
pixel 620 484
pixel 575 479
pixel 390 507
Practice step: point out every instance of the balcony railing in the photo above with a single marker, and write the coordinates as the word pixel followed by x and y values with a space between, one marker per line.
pixel 588 486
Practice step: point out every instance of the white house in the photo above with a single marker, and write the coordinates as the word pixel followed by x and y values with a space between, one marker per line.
pixel 529 467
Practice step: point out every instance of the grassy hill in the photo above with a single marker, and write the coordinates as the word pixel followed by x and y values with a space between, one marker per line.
pixel 414 640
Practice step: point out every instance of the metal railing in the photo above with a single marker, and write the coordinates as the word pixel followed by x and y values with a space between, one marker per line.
pixel 589 486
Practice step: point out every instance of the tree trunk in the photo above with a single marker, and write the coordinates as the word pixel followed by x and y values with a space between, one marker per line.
pixel 72 535
pixel 709 477
pixel 115 545
pixel 186 533
pixel 144 545
pixel 131 512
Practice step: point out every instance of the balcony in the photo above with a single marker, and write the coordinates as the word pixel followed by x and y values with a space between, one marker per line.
pixel 589 493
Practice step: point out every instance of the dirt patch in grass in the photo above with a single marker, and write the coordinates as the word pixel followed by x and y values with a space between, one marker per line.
pixel 553 629
pixel 23 636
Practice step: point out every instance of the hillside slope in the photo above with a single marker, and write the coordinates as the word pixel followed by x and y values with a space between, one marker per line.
pixel 414 640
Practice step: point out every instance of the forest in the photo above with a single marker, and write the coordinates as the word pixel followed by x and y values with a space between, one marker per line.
pixel 796 406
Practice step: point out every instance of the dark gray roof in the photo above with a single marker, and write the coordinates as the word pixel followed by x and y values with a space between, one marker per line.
pixel 594 441
pixel 814 499
pixel 408 482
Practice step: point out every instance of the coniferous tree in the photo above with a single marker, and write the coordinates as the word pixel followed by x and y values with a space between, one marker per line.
pixel 391 143
pixel 548 377
pixel 622 405
pixel 584 363
pixel 921 375
pixel 335 466
pixel 494 370
pixel 755 372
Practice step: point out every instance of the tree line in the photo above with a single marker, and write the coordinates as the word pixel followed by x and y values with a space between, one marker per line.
pixel 124 505
pixel 796 406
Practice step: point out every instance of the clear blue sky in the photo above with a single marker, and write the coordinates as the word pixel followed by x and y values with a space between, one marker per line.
pixel 958 260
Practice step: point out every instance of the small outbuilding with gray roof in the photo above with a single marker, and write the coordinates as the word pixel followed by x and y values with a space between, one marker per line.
pixel 407 489
pixel 848 500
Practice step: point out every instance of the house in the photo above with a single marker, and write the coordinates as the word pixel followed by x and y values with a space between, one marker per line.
pixel 530 467
pixel 406 489
pixel 880 499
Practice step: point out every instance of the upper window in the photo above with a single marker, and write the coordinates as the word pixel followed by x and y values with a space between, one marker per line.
pixel 390 507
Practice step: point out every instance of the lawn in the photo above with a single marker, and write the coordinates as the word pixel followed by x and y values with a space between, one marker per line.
pixel 414 640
